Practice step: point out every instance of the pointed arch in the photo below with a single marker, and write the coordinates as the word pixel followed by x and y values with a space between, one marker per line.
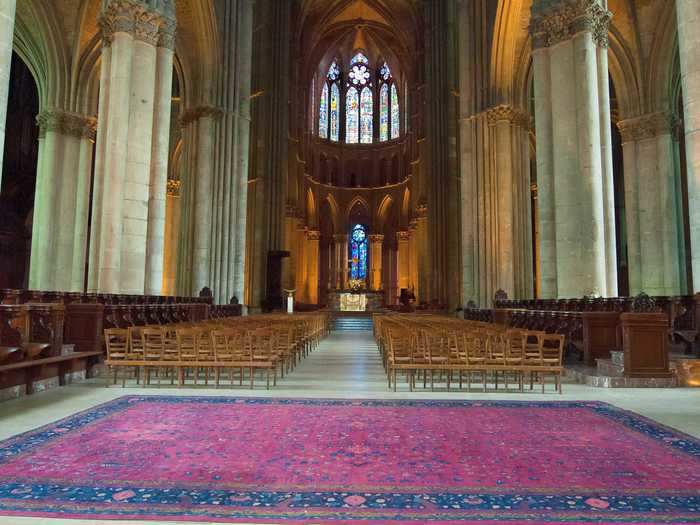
pixel 383 212
pixel 311 211
pixel 335 212
pixel 360 204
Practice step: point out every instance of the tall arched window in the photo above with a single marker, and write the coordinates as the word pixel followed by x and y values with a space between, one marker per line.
pixel 366 116
pixel 358 252
pixel 328 107
pixel 335 112
pixel 323 113
pixel 384 113
pixel 358 101
pixel 352 116
pixel 395 117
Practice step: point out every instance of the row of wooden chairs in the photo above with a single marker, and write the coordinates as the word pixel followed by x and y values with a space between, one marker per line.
pixel 270 344
pixel 426 345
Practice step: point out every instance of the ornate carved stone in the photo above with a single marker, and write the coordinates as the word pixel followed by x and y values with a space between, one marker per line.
pixel 313 235
pixel 147 27
pixel 402 235
pixel 422 211
pixel 642 303
pixel 167 33
pixel 66 123
pixel 509 114
pixel 499 296
pixel 646 126
pixel 194 114
pixel 174 187
pixel 554 22
pixel 375 237
pixel 151 22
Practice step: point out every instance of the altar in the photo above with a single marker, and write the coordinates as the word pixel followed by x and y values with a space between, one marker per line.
pixel 346 301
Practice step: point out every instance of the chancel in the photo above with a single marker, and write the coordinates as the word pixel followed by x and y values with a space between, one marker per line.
pixel 349 261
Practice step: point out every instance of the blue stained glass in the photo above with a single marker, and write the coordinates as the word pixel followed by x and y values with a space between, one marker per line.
pixel 384 113
pixel 352 116
pixel 335 108
pixel 333 72
pixel 395 120
pixel 323 113
pixel 358 252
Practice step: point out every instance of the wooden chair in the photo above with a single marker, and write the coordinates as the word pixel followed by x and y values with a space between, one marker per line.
pixel 117 342
pixel 552 359
pixel 153 349
pixel 261 344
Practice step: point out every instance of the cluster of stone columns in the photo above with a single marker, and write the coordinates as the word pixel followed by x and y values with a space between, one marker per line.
pixel 496 206
pixel 128 225
pixel 60 222
pixel 574 160
pixel 688 12
pixel 652 200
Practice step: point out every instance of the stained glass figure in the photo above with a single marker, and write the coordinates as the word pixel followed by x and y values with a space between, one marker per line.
pixel 358 252
pixel 352 116
pixel 395 120
pixel 385 72
pixel 366 115
pixel 359 58
pixel 333 72
pixel 323 113
pixel 335 109
pixel 384 113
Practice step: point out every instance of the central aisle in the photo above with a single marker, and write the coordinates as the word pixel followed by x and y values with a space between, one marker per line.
pixel 344 362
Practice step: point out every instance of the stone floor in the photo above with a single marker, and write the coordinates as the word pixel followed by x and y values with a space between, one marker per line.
pixel 346 365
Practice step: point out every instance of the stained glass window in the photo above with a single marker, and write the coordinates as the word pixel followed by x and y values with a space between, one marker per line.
pixel 385 72
pixel 333 72
pixel 359 75
pixel 352 116
pixel 395 120
pixel 323 113
pixel 366 115
pixel 335 109
pixel 358 252
pixel 384 113
pixel 359 58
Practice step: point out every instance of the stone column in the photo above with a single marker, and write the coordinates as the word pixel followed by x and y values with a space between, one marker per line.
pixel 688 12
pixel 171 234
pixel 60 216
pixel 7 25
pixel 155 237
pixel 314 238
pixel 131 31
pixel 545 172
pixel 413 256
pixel 576 37
pixel 376 241
pixel 402 239
pixel 203 198
pixel 341 260
pixel 651 205
pixel 302 268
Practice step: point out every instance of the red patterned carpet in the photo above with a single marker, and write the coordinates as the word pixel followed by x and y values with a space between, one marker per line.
pixel 344 461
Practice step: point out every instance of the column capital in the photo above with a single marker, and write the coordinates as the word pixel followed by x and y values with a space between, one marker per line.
pixel 508 113
pixel 402 235
pixel 376 237
pixel 194 114
pixel 291 212
pixel 340 237
pixel 646 126
pixel 140 20
pixel 313 235
pixel 555 21
pixel 421 211
pixel 173 188
pixel 66 123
